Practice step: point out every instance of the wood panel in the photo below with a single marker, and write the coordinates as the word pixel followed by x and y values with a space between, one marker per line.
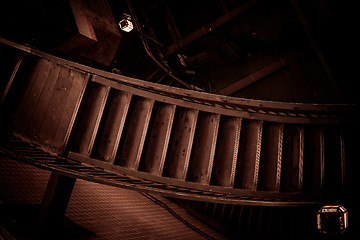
pixel 53 109
pixel 43 103
pixel 33 90
pixel 70 111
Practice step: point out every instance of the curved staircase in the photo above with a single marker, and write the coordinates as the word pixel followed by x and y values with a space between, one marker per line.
pixel 86 123
pixel 185 143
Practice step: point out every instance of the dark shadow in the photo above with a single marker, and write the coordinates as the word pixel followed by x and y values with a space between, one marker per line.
pixel 19 220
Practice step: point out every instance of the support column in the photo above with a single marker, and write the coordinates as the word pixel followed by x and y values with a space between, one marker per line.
pixel 53 207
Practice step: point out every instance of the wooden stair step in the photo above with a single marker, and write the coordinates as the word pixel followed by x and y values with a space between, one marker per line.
pixel 177 162
pixel 293 158
pixel 271 157
pixel 137 124
pixel 202 157
pixel 158 139
pixel 226 153
pixel 112 127
pixel 247 170
pixel 89 118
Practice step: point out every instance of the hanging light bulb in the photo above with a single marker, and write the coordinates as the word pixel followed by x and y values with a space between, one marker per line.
pixel 332 219
pixel 125 24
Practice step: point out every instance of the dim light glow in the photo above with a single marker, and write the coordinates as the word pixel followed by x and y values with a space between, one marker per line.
pixel 332 219
pixel 126 25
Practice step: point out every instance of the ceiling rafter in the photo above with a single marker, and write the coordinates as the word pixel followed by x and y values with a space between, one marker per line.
pixel 211 26
pixel 262 72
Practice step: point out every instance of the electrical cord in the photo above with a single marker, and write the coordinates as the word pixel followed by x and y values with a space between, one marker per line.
pixel 181 219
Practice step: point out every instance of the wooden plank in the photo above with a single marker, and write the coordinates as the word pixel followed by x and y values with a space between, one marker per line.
pixel 293 158
pixel 89 117
pixel 40 109
pixel 32 95
pixel 135 132
pixel 314 159
pixel 55 106
pixel 71 108
pixel 262 72
pixel 247 170
pixel 158 140
pixel 226 154
pixel 210 27
pixel 113 126
pixel 202 157
pixel 271 157
pixel 177 163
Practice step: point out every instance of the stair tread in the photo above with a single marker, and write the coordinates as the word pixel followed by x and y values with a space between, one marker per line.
pixel 202 157
pixel 113 124
pixel 226 155
pixel 158 139
pixel 247 170
pixel 181 142
pixel 135 133
pixel 90 115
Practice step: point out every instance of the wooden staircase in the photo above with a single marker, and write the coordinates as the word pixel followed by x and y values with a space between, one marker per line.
pixel 104 127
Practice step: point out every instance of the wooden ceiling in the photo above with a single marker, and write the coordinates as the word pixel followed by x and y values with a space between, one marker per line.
pixel 284 50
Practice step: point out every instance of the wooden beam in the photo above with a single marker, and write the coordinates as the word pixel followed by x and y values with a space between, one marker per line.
pixel 259 74
pixel 315 46
pixel 16 66
pixel 98 35
pixel 155 4
pixel 173 29
pixel 211 26
pixel 56 198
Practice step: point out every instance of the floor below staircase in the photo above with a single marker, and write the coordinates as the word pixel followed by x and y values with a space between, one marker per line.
pixel 95 211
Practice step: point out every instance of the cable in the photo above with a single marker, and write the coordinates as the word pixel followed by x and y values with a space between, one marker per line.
pixel 181 219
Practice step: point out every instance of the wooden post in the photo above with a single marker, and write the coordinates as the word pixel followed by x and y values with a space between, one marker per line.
pixel 53 206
